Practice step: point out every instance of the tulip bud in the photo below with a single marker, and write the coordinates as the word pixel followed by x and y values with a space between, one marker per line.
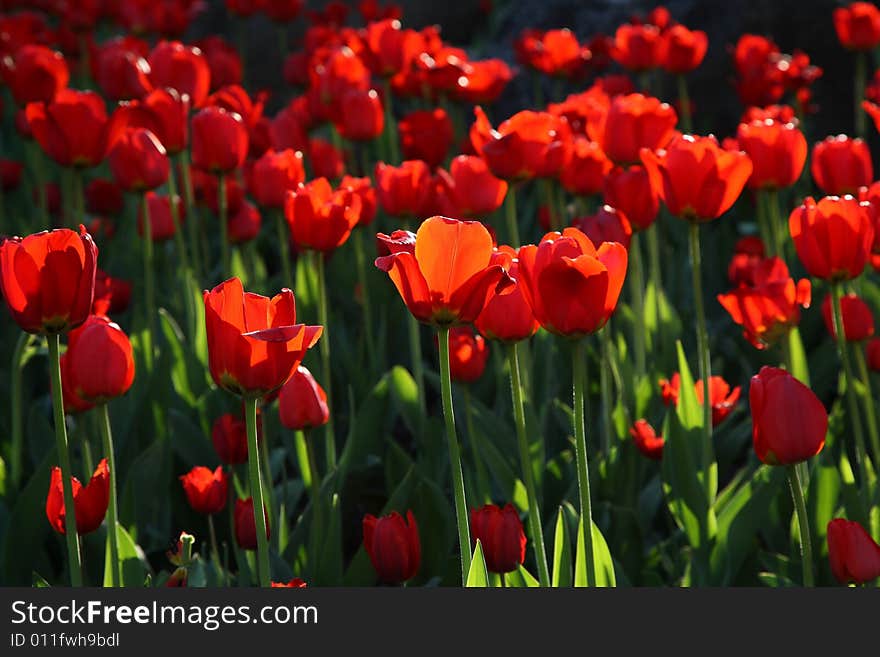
pixel 205 490
pixel 858 320
pixel 646 440
pixel 500 532
pixel 393 546
pixel 100 360
pixel 853 554
pixel 468 353
pixel 302 403
pixel 245 527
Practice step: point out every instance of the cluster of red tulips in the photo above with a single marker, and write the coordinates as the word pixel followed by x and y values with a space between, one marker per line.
pixel 588 234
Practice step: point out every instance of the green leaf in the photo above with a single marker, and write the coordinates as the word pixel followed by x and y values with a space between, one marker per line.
pixel 601 559
pixel 23 550
pixel 690 411
pixel 800 368
pixel 405 397
pixel 133 561
pixel 38 581
pixel 478 576
pixel 188 377
pixel 561 553
pixel 521 579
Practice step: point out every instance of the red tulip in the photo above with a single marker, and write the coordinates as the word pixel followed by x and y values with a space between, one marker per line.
pixel 858 320
pixel 245 524
pixel 789 422
pixel 182 68
pixel 483 81
pixel 10 174
pixel 104 197
pixel 778 152
pixel 302 403
pixel 646 440
pixel 361 117
pixel 682 50
pixel 341 71
pixel 468 353
pixel 295 583
pixel 219 140
pixel 633 122
pixel 229 435
pixel 508 317
pixel 390 47
pixel 138 161
pixel 282 11
pixel 873 353
pixel 121 72
pixel 162 226
pixel 858 26
pixel 833 237
pixel 572 286
pixel 840 165
pixel 588 168
pixel 552 52
pixel 476 191
pixel 321 218
pixel 71 129
pixel 854 556
pixel 606 225
pixel 748 253
pixel 48 279
pixel 274 174
pixel 254 343
pixel 100 360
pixel 223 60
pixel 89 501
pixel 637 47
pixel 205 490
pixel 73 404
pixel 243 8
pixel 696 178
pixel 426 135
pixel 364 190
pixel 630 191
pixel 722 398
pixel 326 160
pixel 447 273
pixel 392 544
pixel 112 295
pixel 501 535
pixel 34 73
pixel 767 306
pixel 244 224
pixel 402 189
pixel 163 112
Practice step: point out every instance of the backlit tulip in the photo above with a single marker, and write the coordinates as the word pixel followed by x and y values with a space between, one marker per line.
pixel 587 169
pixel 71 128
pixel 341 72
pixel 361 117
pixel 858 26
pixel 302 402
pixel 393 546
pixel 572 286
pixel 483 81
pixel 73 404
pixel 161 220
pixel 205 490
pixel 243 225
pixel 229 436
pixel 364 190
pixel 633 122
pixel 637 47
pixel 789 422
pixel 682 50
pixel 391 48
pixel 138 160
pixel 219 140
pixel 696 178
pixel 501 535
pixel 182 68
pixel 426 135
pixel 854 556
pixel 274 174
pixel 777 150
pixel 34 73
pixel 833 237
pixel 121 72
pixel 476 192
pixel 447 273
pixel 112 295
pixel 858 320
pixel 326 160
pixel 646 440
pixel 723 399
pixel 468 353
pixel 508 317
pixel 748 253
pixel 100 360
pixel 607 224
pixel 223 60
pixel 245 524
pixel 401 189
pixel 48 279
pixel 89 501
pixel 282 11
pixel 319 217
pixel 163 112
pixel 254 342
pixel 552 52
pixel 840 165
pixel 295 583
pixel 630 191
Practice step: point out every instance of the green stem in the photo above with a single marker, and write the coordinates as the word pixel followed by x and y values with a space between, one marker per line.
pixel 605 374
pixel 637 293
pixel 70 535
pixel 314 478
pixel 775 221
pixel 330 444
pixel 390 125
pixel 656 277
pixel 482 476
pixel 579 371
pixel 15 460
pixel 256 486
pixel 684 103
pixel 702 342
pixel 284 249
pixel 461 511
pixel 190 204
pixel 267 478
pixel 179 243
pixel 519 416
pixel 415 353
pixel 360 259
pixel 149 291
pixel 510 216
pixel 224 227
pixel 112 518
pixel 797 494
pixel 282 41
pixel 849 381
pixel 859 94
pixel 78 197
pixel 868 398
pixel 214 545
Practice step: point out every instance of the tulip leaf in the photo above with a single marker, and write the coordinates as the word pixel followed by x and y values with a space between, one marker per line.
pixel 188 376
pixel 520 579
pixel 28 518
pixel 799 367
pixel 132 559
pixel 561 552
pixel 690 411
pixel 405 397
pixel 478 577
pixel 38 581
pixel 601 558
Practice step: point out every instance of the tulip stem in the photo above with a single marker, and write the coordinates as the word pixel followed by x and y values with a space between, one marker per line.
pixel 859 93
pixel 684 105
pixel 656 278
pixel 79 206
pixel 112 518
pixel 510 216
pixel 868 398
pixel 519 416
pixel 637 291
pixel 579 371
pixel 189 202
pixel 415 352
pixel 605 374
pixel 216 551
pixel 702 344
pixel 390 125
pixel 284 249
pixel 461 511
pixel 797 494
pixel 256 486
pixel 330 442
pixel 360 259
pixel 179 243
pixel 849 381
pixel 73 555
pixel 22 347
pixel 224 227
pixel 312 462
pixel 149 292
pixel 774 220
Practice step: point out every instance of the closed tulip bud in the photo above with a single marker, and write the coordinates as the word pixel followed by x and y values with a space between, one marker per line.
pixel 181 68
pixel 100 360
pixel 401 189
pixel 468 353
pixel 138 161
pixel 426 135
pixel 205 490
pixel 34 73
pixel 393 546
pixel 274 174
pixel 112 295
pixel 508 317
pixel 500 532
pixel 646 440
pixel 319 217
pixel 637 47
pixel 633 122
pixel 748 253
pixel 476 191
pixel 48 279
pixel 586 171
pixel 554 52
pixel 364 190
pixel 121 73
pixel 326 160
pixel 245 525
pixel 361 117
pixel 858 320
pixel 778 152
pixel 244 225
pixel 219 140
pixel 606 225
pixel 833 238
pixel 161 220
pixel 854 556
pixel 858 26
pixel 682 50
pixel 229 435
pixel 89 501
pixel 630 191
pixel 164 112
pixel 840 165
pixel 302 403
pixel 73 403
pixel 71 128
pixel 789 422
pixel 873 354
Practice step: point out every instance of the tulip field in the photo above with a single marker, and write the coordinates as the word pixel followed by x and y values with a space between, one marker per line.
pixel 421 316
